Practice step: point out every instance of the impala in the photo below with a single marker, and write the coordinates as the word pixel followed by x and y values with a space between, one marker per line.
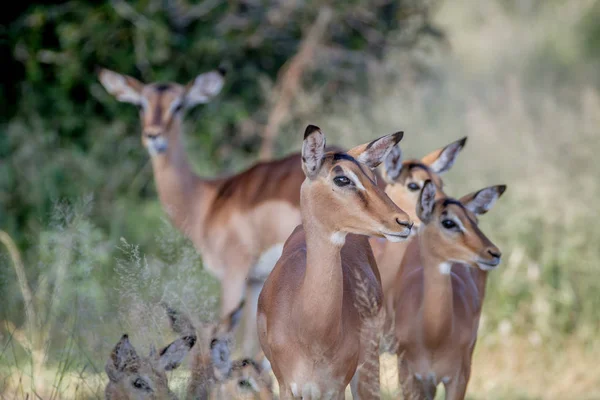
pixel 405 178
pixel 134 377
pixel 438 294
pixel 319 310
pixel 252 212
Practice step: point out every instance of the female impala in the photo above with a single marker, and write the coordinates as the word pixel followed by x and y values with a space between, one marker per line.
pixel 134 377
pixel 252 212
pixel 437 300
pixel 318 310
pixel 405 178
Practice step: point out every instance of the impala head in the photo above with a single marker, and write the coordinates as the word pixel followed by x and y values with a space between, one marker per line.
pixel 450 227
pixel 340 192
pixel 405 178
pixel 161 105
pixel 213 350
pixel 248 380
pixel 135 377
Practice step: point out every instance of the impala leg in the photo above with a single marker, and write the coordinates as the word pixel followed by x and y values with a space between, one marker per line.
pixel 250 344
pixel 408 386
pixel 456 389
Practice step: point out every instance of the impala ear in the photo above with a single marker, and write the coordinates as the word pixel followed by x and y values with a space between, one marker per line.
pixel 426 202
pixel 204 88
pixel 125 88
pixel 180 323
pixel 441 160
pixel 373 153
pixel 173 354
pixel 393 164
pixel 122 359
pixel 313 150
pixel 483 200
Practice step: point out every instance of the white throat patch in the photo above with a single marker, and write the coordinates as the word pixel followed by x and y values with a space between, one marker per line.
pixel 445 268
pixel 338 238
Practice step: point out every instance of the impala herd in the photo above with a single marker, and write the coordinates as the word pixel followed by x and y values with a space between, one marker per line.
pixel 326 258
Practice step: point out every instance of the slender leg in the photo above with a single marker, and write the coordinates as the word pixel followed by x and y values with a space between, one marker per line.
pixel 456 389
pixel 250 346
pixel 407 384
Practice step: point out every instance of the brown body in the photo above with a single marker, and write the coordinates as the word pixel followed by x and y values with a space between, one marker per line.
pixel 405 178
pixel 438 293
pixel 319 310
pixel 252 212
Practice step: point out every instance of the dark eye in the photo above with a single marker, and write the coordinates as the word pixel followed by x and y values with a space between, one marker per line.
pixel 244 384
pixel 213 343
pixel 413 187
pixel 140 384
pixel 449 224
pixel 342 181
pixel 140 107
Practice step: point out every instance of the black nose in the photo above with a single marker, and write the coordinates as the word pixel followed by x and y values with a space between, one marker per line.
pixel 405 224
pixel 151 136
pixel 494 253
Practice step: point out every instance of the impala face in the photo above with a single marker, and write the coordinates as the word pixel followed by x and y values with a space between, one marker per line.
pixel 345 181
pixel 135 377
pixel 406 177
pixel 453 226
pixel 161 105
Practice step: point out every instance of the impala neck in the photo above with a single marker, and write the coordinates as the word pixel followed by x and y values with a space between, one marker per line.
pixel 323 286
pixel 182 193
pixel 438 307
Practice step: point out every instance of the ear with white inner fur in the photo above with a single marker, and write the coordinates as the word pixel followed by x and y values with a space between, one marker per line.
pixel 441 160
pixel 393 164
pixel 172 355
pixel 373 153
pixel 122 358
pixel 426 201
pixel 313 149
pixel 125 88
pixel 203 88
pixel 483 200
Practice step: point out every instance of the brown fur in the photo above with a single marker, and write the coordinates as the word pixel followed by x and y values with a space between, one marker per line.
pixel 318 310
pixel 437 314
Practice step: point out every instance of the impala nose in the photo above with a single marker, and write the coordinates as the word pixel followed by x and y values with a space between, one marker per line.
pixel 407 224
pixel 495 253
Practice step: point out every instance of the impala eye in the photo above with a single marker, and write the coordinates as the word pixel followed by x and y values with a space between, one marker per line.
pixel 449 224
pixel 413 187
pixel 245 384
pixel 140 384
pixel 342 181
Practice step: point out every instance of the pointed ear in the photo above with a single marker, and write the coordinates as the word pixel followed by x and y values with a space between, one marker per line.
pixel 426 202
pixel 441 160
pixel 313 150
pixel 172 355
pixel 204 87
pixel 125 88
pixel 483 200
pixel 123 358
pixel 393 164
pixel 180 323
pixel 372 154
